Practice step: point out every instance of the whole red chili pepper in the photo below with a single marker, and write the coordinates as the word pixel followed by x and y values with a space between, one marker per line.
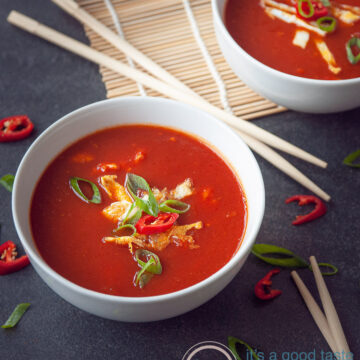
pixel 320 208
pixel 8 263
pixel 148 224
pixel 15 128
pixel 319 10
pixel 263 289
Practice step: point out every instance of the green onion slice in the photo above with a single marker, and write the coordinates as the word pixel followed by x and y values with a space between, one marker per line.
pixel 326 265
pixel 147 202
pixel 326 23
pixel 152 265
pixel 16 315
pixel 133 215
pixel 232 341
pixel 174 206
pixel 301 11
pixel 351 158
pixel 7 181
pixel 354 41
pixel 288 259
pixel 326 3
pixel 126 226
pixel 144 279
pixel 74 184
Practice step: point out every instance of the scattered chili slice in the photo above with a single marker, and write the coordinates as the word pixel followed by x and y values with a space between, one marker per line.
pixel 310 10
pixel 16 315
pixel 320 208
pixel 263 289
pixel 15 128
pixel 148 224
pixel 8 262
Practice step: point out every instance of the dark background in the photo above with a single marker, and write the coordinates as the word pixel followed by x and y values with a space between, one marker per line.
pixel 45 83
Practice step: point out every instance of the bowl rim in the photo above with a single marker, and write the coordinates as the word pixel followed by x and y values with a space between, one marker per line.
pixel 66 120
pixel 218 18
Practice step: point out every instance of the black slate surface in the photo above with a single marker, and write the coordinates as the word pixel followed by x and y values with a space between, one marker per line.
pixel 46 83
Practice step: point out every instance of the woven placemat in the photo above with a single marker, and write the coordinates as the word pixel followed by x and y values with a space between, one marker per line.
pixel 161 29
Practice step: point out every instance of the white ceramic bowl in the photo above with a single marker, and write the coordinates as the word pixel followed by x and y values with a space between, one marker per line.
pixel 293 92
pixel 135 110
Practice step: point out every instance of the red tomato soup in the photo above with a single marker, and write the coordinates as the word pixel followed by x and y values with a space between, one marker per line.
pixel 278 35
pixel 76 238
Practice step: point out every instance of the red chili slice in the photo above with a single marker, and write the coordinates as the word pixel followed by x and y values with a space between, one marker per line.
pixel 263 289
pixel 319 10
pixel 320 208
pixel 148 224
pixel 8 263
pixel 15 128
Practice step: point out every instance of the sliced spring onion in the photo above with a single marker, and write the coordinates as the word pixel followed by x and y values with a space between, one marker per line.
pixel 232 341
pixel 327 23
pixel 16 315
pixel 354 41
pixel 302 12
pixel 133 215
pixel 326 3
pixel 351 158
pixel 147 203
pixel 144 279
pixel 326 265
pixel 74 184
pixel 174 206
pixel 154 267
pixel 126 226
pixel 7 181
pixel 289 259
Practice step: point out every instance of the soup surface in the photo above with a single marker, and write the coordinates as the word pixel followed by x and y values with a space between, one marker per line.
pixel 76 237
pixel 270 31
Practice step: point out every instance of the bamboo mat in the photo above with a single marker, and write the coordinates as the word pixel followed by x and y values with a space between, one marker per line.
pixel 161 30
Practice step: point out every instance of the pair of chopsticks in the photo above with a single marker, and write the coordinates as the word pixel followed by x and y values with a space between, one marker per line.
pixel 257 138
pixel 329 324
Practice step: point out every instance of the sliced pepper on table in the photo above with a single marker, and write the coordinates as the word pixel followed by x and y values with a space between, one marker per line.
pixel 263 289
pixel 8 261
pixel 319 210
pixel 15 128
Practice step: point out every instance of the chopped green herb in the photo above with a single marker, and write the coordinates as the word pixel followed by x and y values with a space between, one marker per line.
pixel 133 215
pixel 326 265
pixel 16 315
pixel 146 201
pixel 126 226
pixel 7 181
pixel 354 41
pixel 326 3
pixel 232 341
pixel 351 158
pixel 148 269
pixel 74 184
pixel 174 206
pixel 326 23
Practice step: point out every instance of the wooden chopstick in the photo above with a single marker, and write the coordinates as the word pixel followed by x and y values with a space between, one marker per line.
pixel 329 309
pixel 315 311
pixel 53 36
pixel 75 10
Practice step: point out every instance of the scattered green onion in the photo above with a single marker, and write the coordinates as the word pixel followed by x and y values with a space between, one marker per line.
pixel 154 267
pixel 350 159
pixel 174 206
pixel 232 341
pixel 288 258
pixel 148 269
pixel 133 215
pixel 326 265
pixel 326 23
pixel 354 41
pixel 16 315
pixel 147 203
pixel 7 181
pixel 326 3
pixel 302 12
pixel 74 184
pixel 126 226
